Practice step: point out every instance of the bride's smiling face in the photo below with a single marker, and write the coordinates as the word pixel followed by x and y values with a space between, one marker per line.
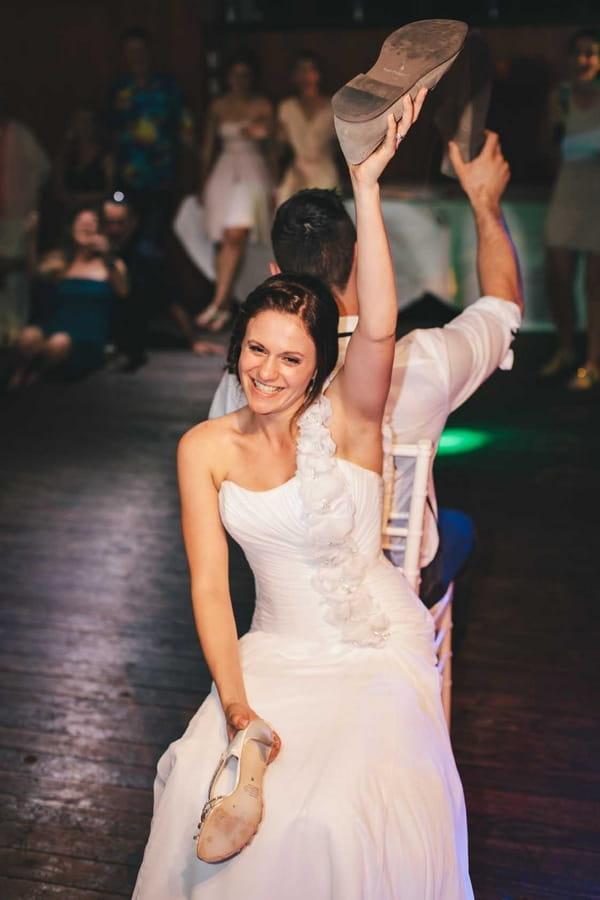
pixel 277 362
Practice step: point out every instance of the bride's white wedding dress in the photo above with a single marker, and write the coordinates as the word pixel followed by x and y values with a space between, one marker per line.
pixel 364 801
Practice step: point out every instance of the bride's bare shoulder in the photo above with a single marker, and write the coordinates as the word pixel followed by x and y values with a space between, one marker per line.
pixel 211 441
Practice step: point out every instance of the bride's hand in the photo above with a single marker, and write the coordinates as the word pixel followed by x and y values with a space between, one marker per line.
pixel 238 716
pixel 368 171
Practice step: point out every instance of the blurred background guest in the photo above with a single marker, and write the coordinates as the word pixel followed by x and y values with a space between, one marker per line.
pixel 305 128
pixel 81 281
pixel 149 127
pixel 85 167
pixel 573 224
pixel 24 167
pixel 152 290
pixel 236 181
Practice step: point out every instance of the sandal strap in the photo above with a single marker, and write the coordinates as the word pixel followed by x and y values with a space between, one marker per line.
pixel 219 320
pixel 262 733
pixel 210 313
pixel 224 759
pixel 206 809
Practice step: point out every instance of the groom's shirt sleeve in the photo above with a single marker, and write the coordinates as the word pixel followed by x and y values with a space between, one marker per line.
pixel 228 397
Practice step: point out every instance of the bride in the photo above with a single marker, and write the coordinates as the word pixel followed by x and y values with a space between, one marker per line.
pixel 363 801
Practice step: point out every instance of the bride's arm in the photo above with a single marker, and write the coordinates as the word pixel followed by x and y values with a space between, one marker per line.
pixel 207 554
pixel 363 383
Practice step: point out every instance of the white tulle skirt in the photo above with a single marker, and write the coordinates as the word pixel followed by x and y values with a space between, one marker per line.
pixel 364 801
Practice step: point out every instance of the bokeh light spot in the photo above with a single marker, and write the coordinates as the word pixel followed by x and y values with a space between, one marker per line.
pixel 462 440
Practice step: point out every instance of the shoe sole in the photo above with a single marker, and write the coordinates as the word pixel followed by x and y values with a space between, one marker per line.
pixel 234 820
pixel 461 117
pixel 415 56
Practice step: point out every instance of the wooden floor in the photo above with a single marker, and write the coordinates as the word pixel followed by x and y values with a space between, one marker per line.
pixel 101 669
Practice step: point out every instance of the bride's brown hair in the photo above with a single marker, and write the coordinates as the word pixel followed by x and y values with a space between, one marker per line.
pixel 297 295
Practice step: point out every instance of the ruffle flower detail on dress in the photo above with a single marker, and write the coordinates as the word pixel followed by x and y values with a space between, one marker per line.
pixel 329 514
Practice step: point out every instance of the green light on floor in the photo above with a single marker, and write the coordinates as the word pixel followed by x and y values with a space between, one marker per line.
pixel 461 440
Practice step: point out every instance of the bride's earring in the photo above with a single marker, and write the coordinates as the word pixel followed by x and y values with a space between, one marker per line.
pixel 311 383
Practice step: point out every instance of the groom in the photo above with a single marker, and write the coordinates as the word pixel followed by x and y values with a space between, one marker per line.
pixel 435 370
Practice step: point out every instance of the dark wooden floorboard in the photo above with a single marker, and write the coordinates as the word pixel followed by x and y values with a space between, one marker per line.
pixel 100 666
pixel 19 889
pixel 61 869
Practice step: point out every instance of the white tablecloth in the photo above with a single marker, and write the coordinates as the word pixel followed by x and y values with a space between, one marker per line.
pixel 433 246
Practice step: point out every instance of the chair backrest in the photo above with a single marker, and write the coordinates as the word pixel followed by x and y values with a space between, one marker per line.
pixel 406 476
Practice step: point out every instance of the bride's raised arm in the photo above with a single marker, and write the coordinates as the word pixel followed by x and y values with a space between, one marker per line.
pixel 363 382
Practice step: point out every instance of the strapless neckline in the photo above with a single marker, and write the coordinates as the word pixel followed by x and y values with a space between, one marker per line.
pixel 314 513
pixel 290 481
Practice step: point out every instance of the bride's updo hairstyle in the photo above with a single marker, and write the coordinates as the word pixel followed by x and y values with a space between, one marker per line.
pixel 297 295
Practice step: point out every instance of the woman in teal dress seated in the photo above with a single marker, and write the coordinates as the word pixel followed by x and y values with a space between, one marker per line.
pixel 81 283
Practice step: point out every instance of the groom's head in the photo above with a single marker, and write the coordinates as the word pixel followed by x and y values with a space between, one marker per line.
pixel 313 233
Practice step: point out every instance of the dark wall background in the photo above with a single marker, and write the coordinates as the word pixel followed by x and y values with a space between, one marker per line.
pixel 59 55
pixel 527 61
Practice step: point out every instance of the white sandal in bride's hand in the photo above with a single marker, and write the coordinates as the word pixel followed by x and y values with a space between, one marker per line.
pixel 229 823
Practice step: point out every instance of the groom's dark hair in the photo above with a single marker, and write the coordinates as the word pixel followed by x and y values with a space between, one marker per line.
pixel 313 233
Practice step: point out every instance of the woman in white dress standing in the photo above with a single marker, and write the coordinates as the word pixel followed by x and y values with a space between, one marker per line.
pixel 305 125
pixel 237 186
pixel 363 801
pixel 573 226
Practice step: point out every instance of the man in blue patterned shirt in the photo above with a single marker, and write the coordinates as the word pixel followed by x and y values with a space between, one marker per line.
pixel 149 125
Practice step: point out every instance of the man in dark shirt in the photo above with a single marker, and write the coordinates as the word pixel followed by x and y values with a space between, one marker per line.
pixel 153 289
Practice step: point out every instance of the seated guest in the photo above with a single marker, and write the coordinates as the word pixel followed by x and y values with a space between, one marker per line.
pixel 152 287
pixel 83 281
pixel 84 169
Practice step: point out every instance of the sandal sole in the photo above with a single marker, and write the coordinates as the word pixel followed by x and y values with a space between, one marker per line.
pixel 234 820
